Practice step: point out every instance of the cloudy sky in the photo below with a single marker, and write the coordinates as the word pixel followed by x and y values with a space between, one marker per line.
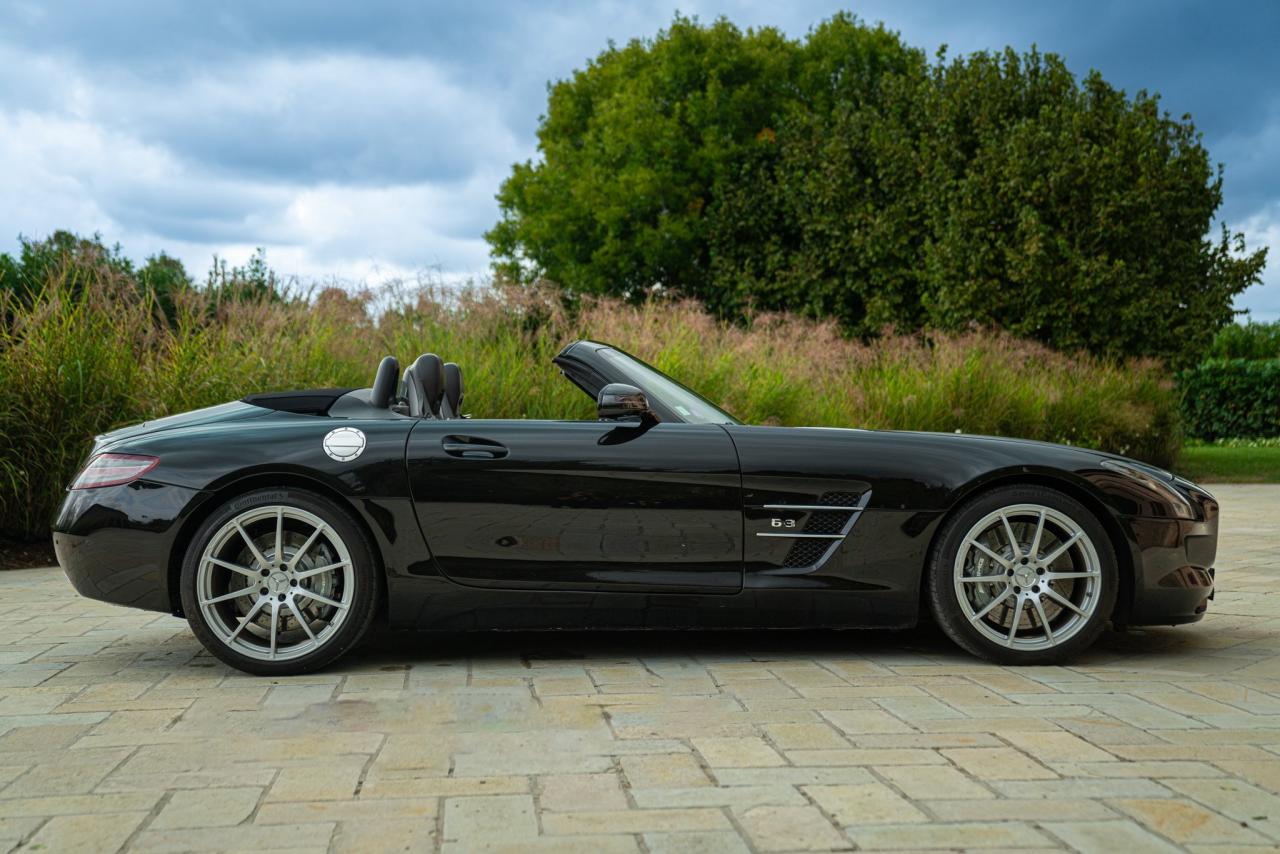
pixel 365 140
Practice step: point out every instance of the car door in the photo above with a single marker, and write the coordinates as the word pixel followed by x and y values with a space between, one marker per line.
pixel 579 505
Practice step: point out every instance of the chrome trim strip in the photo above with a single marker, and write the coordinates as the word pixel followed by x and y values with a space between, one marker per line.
pixel 802 536
pixel 863 501
pixel 809 507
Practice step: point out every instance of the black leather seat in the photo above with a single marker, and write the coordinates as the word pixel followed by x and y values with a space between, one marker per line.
pixel 424 386
pixel 452 405
pixel 384 382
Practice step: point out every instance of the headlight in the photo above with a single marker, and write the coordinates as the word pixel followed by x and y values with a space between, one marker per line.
pixel 1158 481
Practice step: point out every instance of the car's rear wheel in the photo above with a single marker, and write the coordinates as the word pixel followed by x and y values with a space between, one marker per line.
pixel 1023 575
pixel 278 582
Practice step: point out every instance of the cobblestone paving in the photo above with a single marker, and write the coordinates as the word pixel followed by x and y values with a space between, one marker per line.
pixel 116 731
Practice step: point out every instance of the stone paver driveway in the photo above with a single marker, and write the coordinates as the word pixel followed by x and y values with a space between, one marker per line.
pixel 116 731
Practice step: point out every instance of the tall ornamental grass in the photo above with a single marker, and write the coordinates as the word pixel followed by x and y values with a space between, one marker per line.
pixel 83 357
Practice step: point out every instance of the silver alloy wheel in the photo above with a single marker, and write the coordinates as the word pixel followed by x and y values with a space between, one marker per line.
pixel 275 583
pixel 1027 577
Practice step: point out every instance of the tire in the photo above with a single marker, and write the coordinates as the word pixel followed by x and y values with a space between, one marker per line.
pixel 1072 593
pixel 279 582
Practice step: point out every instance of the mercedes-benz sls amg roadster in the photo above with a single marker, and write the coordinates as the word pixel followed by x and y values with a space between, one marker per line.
pixel 281 525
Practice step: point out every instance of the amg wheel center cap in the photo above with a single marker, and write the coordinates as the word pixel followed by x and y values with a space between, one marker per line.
pixel 278 583
pixel 1025 576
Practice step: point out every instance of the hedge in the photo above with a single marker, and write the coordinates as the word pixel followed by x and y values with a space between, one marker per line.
pixel 1225 398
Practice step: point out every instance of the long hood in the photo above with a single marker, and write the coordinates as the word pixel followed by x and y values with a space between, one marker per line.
pixel 999 444
pixel 914 470
pixel 932 471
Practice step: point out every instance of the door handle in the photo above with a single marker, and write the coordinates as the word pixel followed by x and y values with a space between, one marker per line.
pixel 472 448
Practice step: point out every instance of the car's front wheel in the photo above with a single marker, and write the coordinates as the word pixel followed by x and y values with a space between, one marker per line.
pixel 278 582
pixel 1023 575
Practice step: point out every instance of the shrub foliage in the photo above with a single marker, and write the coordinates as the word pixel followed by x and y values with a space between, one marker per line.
pixel 1250 340
pixel 843 175
pixel 90 351
pixel 1229 398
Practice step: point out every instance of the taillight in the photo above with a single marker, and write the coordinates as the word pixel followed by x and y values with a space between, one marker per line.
pixel 113 470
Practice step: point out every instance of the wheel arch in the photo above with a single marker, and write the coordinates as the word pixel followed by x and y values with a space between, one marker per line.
pixel 242 486
pixel 1077 489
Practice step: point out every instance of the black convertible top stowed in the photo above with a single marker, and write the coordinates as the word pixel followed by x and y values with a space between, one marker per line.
pixel 314 401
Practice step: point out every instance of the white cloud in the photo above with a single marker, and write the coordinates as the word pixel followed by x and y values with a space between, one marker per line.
pixel 363 168
pixel 69 173
pixel 1263 229
pixel 55 168
pixel 352 118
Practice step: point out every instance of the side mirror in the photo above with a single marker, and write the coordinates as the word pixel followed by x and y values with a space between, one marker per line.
pixel 619 400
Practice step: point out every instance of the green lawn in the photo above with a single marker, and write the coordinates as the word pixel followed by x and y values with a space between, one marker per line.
pixel 1223 464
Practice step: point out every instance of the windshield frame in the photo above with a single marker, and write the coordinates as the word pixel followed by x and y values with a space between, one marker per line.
pixel 686 404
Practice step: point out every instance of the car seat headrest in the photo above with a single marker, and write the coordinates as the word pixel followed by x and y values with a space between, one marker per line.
pixel 385 382
pixel 452 407
pixel 427 387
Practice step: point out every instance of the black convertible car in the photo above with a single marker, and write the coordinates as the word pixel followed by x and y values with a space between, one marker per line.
pixel 280 525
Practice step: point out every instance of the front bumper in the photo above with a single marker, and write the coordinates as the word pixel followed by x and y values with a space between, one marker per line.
pixel 114 543
pixel 1174 565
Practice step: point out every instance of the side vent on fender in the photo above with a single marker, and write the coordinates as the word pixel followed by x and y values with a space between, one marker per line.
pixel 828 522
pixel 811 552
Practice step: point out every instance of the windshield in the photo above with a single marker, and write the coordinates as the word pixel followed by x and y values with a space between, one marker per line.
pixel 692 407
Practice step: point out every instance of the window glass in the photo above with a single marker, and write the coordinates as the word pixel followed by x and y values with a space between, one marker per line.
pixel 692 407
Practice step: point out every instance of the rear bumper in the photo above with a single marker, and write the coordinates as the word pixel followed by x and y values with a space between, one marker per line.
pixel 1174 566
pixel 114 543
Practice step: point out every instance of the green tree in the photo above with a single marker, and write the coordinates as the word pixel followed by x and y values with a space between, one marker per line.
pixel 254 281
pixel 167 279
pixel 845 176
pixel 1070 213
pixel 63 257
pixel 641 144
pixel 71 263
pixel 1250 340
